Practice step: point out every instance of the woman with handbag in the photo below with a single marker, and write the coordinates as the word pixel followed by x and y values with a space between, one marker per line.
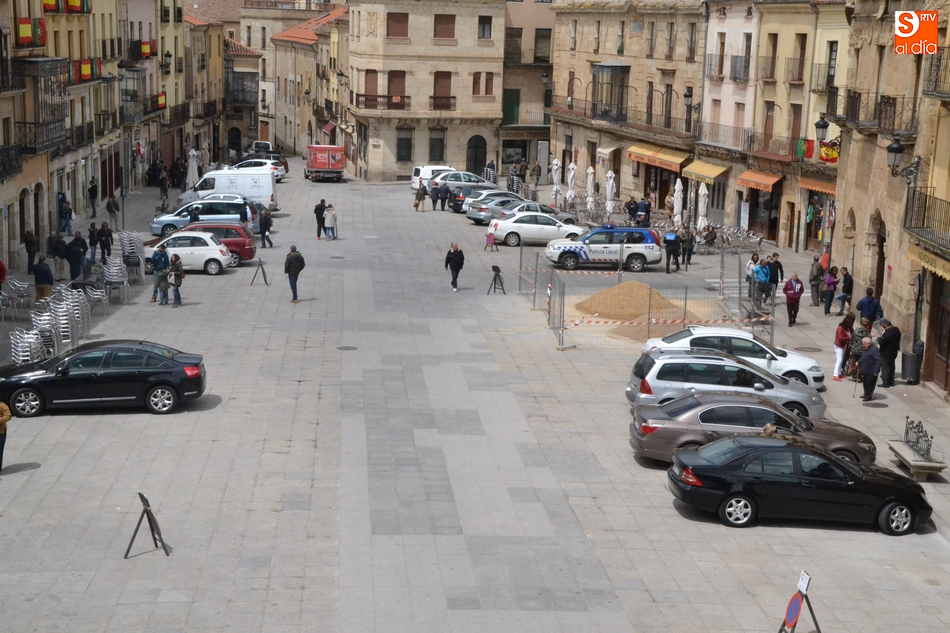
pixel 421 195
pixel 175 275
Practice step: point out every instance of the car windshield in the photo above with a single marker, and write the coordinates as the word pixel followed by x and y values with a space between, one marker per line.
pixel 677 336
pixel 678 407
pixel 721 452
pixel 581 237
pixel 510 204
pixel 778 353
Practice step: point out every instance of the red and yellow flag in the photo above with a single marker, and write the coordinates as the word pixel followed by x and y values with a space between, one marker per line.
pixel 85 69
pixel 74 6
pixel 25 31
pixel 146 48
pixel 161 100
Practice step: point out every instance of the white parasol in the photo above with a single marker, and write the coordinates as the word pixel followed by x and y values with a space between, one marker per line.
pixel 556 179
pixel 192 178
pixel 590 188
pixel 611 192
pixel 678 202
pixel 703 203
pixel 571 181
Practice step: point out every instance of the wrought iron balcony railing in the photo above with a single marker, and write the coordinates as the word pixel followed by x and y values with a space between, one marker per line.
pixel 739 68
pixel 861 109
pixel 36 138
pixel 442 103
pixel 774 147
pixel 177 114
pixel 383 102
pixel 767 67
pixel 727 136
pixel 822 76
pixel 11 161
pixel 928 218
pixel 715 66
pixel 83 134
pixel 795 70
pixel 937 75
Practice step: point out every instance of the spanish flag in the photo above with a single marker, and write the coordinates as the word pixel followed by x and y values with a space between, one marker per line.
pixel 161 100
pixel 24 31
pixel 829 152
pixel 85 69
pixel 50 5
pixel 74 6
pixel 146 48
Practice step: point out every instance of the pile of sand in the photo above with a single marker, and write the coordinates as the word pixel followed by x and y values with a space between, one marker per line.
pixel 625 302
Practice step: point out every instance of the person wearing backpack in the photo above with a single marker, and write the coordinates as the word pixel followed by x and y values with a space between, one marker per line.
pixel 672 243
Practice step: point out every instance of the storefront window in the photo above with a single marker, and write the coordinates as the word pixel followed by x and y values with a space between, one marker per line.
pixel 814 216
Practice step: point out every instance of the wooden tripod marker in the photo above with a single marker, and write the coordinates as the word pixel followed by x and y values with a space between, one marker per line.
pixel 260 269
pixel 152 526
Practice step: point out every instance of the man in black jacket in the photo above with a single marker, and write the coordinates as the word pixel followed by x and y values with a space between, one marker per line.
pixel 318 211
pixel 673 245
pixel 454 260
pixel 890 342
pixel 32 245
pixel 43 278
pixel 293 265
pixel 776 273
pixel 847 287
pixel 870 364
pixel 59 256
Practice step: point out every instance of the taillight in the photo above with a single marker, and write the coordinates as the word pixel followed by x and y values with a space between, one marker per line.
pixel 193 371
pixel 272 168
pixel 689 478
pixel 271 197
pixel 249 244
pixel 645 387
pixel 223 252
pixel 648 427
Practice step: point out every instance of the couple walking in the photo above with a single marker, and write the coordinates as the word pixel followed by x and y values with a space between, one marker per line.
pixel 326 219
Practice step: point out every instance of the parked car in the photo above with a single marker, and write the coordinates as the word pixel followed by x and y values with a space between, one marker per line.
pixel 104 374
pixel 745 345
pixel 485 211
pixel 198 251
pixel 458 195
pixel 453 178
pixel 696 419
pixel 485 195
pixel 426 173
pixel 745 478
pixel 515 228
pixel 260 146
pixel 238 238
pixel 269 156
pixel 209 210
pixel 637 248
pixel 658 377
pixel 259 185
pixel 260 163
pixel 527 206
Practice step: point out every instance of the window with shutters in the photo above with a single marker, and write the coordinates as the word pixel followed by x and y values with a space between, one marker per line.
pixel 542 46
pixel 489 84
pixel 484 27
pixel 396 83
pixel 404 145
pixel 437 146
pixel 476 84
pixel 397 25
pixel 443 27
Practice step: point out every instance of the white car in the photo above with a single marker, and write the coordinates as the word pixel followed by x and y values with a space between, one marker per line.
pixel 197 250
pixel 486 195
pixel 745 345
pixel 426 173
pixel 515 228
pixel 260 163
pixel 458 178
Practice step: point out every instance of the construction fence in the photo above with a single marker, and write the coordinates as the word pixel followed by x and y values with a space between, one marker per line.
pixel 611 307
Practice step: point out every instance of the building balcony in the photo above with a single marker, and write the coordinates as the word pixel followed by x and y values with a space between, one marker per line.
pixel 11 161
pixel 383 102
pixel 106 121
pixel 897 116
pixel 834 103
pixel 928 218
pixel 8 81
pixel 766 68
pixel 822 76
pixel 82 134
pixel 773 147
pixel 527 117
pixel 726 136
pixel 861 109
pixel 85 70
pixel 795 70
pixel 242 97
pixel 36 138
pixel 73 7
pixel 520 55
pixel 177 114
pixel 132 112
pixel 154 103
pixel 650 121
pixel 442 104
pixel 937 75
pixel 715 67
pixel 209 108
pixel 739 68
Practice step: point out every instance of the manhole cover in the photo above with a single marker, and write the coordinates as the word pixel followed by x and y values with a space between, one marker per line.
pixel 347 348
pixel 875 405
pixel 807 349
pixel 336 257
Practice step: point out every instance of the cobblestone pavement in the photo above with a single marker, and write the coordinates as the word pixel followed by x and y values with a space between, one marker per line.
pixel 387 455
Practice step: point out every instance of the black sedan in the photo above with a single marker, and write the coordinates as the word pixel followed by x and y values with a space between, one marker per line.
pixel 105 373
pixel 746 477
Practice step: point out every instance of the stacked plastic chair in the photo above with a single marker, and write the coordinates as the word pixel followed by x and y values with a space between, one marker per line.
pixel 63 321
pixel 115 276
pixel 96 297
pixel 78 308
pixel 21 293
pixel 45 326
pixel 26 346
pixel 133 252
pixel 7 302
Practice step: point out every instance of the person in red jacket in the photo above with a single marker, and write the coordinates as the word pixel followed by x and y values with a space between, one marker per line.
pixel 3 272
pixel 793 290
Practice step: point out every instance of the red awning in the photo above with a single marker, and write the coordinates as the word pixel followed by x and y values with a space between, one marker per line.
pixel 328 128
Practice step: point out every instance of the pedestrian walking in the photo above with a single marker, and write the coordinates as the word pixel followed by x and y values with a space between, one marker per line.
pixel 870 308
pixel 32 246
pixel 793 291
pixel 434 195
pixel 59 257
pixel 890 345
pixel 763 289
pixel 330 221
pixel 66 217
pixel 523 170
pixel 176 273
pixel 536 174
pixel 870 366
pixel 420 203
pixel 318 211
pixel 688 242
pixel 160 264
pixel 112 206
pixel 776 273
pixel 266 223
pixel 105 241
pixel 454 260
pixel 444 192
pixel 163 184
pixel 293 265
pixel 4 418
pixel 630 207
pixel 671 241
pixel 750 272
pixel 93 237
pixel 842 343
pixel 76 256
pixel 815 275
pixel 93 192
pixel 847 287
pixel 42 278
pixel 861 332
pixel 831 284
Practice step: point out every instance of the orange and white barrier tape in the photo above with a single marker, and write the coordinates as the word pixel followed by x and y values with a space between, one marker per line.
pixel 667 321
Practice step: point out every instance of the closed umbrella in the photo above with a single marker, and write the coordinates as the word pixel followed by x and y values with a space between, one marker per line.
pixel 191 179
pixel 571 181
pixel 678 202
pixel 590 189
pixel 703 203
pixel 611 192
pixel 556 179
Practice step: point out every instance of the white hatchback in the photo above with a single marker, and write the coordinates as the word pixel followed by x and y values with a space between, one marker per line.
pixel 260 163
pixel 197 250
pixel 458 178
pixel 515 228
pixel 745 345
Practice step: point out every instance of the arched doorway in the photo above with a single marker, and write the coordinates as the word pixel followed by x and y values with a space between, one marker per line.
pixel 234 140
pixel 878 233
pixel 475 154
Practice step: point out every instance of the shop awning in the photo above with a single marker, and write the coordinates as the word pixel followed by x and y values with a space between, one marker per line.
pixel 329 127
pixel 761 180
pixel 934 263
pixel 822 186
pixel 604 153
pixel 703 171
pixel 670 159
pixel 641 151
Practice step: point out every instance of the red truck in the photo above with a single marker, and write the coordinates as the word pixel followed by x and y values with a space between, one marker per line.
pixel 325 162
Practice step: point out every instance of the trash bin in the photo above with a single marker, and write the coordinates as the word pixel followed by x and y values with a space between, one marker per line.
pixel 910 368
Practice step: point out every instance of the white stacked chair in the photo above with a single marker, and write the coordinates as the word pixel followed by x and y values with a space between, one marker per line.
pixel 96 297
pixel 44 324
pixel 26 346
pixel 133 252
pixel 63 321
pixel 7 303
pixel 115 276
pixel 78 309
pixel 20 291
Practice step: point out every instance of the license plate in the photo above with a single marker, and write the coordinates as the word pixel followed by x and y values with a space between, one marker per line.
pixel 677 470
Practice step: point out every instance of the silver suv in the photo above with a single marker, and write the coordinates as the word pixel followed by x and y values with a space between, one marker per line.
pixel 659 376
pixel 209 210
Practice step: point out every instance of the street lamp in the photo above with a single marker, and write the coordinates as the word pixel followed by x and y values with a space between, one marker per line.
pixel 166 66
pixel 306 95
pixel 821 128
pixel 894 152
pixel 264 105
pixel 342 79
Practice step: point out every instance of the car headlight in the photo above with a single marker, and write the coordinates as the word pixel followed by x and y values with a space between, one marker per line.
pixel 814 368
pixel 817 400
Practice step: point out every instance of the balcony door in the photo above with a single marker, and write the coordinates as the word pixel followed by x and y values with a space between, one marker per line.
pixel 396 89
pixel 510 106
pixel 371 89
pixel 442 91
pixel 769 124
pixel 796 124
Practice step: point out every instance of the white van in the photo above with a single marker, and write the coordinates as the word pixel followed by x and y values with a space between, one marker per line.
pixel 427 172
pixel 257 185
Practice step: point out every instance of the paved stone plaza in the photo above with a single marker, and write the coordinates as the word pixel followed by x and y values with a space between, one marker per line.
pixel 453 471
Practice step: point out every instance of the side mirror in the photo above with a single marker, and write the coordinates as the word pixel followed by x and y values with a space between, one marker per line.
pixel 62 370
pixel 769 357
pixel 758 386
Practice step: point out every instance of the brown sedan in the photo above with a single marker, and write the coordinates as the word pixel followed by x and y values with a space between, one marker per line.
pixel 697 419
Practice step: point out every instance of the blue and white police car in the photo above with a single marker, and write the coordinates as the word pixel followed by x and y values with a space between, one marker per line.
pixel 637 248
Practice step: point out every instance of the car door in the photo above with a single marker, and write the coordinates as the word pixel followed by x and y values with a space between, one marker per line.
pixel 82 382
pixel 717 343
pixel 180 245
pixel 527 227
pixel 200 251
pixel 724 421
pixel 743 380
pixel 827 493
pixel 599 246
pixel 126 377
pixel 549 228
pixel 752 352
pixel 669 382
pixel 702 376
pixel 772 481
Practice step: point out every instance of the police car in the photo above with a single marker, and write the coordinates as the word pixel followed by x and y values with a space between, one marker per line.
pixel 637 248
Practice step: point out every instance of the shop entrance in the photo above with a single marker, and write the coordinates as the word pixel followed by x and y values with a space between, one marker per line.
pixel 881 260
pixel 763 211
pixel 937 363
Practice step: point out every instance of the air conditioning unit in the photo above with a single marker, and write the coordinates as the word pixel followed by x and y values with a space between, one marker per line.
pixel 722 12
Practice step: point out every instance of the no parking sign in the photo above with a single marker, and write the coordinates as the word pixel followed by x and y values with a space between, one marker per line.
pixel 794 609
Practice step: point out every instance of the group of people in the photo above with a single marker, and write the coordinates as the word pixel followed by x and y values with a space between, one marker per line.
pixel 856 354
pixel 763 277
pixel 326 219
pixel 679 244
pixel 638 213
pixel 166 273
pixel 74 253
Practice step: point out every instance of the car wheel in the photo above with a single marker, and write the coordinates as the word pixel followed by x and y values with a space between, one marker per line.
pixel 567 221
pixel 161 399
pixel 847 456
pixel 168 229
pixel 796 407
pixel 796 375
pixel 235 259
pixel 896 519
pixel 479 222
pixel 636 263
pixel 26 402
pixel 512 239
pixel 737 511
pixel 569 261
pixel 689 445
pixel 212 267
